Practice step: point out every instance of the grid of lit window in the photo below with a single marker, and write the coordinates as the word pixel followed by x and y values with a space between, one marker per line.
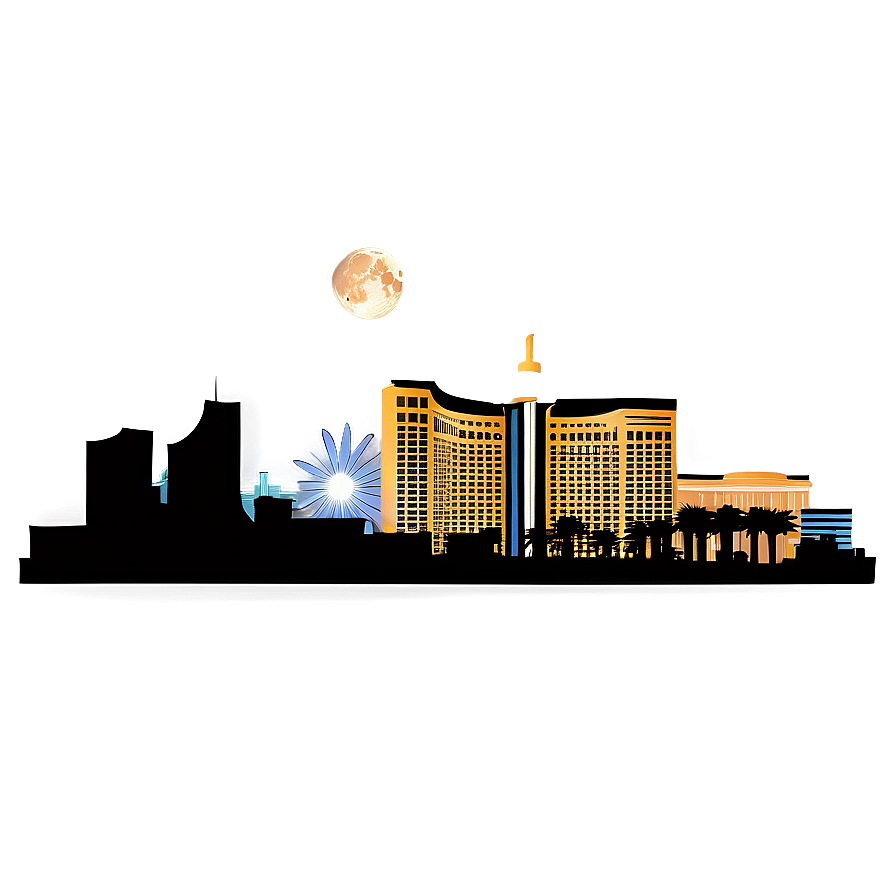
pixel 583 473
pixel 412 463
pixel 469 457
pixel 607 472
pixel 454 484
pixel 649 474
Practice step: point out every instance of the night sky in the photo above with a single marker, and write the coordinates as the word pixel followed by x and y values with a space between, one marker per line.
pixel 683 198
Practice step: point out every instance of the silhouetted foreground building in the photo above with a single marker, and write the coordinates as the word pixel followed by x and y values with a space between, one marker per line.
pixel 201 533
pixel 265 488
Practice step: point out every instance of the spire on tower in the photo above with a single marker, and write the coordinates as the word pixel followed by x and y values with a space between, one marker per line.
pixel 529 364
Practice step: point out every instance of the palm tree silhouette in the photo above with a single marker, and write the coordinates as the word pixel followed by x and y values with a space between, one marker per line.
pixel 756 520
pixel 660 538
pixel 727 520
pixel 565 531
pixel 779 522
pixel 538 539
pixel 694 521
pixel 606 541
pixel 636 537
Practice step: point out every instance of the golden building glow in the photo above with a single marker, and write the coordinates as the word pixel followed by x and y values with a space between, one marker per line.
pixel 773 491
pixel 453 464
pixel 443 463
pixel 610 468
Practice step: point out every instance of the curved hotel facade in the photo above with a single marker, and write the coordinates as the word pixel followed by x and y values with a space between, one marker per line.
pixel 443 462
pixel 452 464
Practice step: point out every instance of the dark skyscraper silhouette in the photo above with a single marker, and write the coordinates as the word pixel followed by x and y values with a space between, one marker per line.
pixel 204 471
pixel 119 470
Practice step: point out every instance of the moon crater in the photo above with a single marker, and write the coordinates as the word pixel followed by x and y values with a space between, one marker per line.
pixel 367 283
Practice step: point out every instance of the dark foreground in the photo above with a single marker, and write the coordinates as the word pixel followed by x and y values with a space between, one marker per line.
pixel 594 573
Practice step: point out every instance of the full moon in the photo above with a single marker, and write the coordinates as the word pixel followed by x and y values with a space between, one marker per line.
pixel 367 283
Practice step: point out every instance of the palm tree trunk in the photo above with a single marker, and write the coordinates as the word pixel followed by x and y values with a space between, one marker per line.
pixel 726 546
pixel 701 547
pixel 688 545
pixel 754 546
pixel 772 539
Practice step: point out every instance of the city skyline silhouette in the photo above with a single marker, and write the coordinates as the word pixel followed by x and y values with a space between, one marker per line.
pixel 204 534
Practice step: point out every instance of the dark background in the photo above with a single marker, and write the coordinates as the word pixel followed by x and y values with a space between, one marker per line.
pixel 684 201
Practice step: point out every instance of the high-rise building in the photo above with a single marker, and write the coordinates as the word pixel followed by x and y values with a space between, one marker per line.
pixel 120 485
pixel 611 461
pixel 208 454
pixel 452 464
pixel 443 462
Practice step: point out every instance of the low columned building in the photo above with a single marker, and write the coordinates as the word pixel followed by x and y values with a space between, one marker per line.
pixel 773 491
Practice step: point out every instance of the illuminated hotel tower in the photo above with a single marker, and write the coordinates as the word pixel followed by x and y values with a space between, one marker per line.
pixel 611 461
pixel 443 462
pixel 452 464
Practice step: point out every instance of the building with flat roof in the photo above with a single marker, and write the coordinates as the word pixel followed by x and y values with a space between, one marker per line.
pixel 837 523
pixel 774 491
pixel 611 461
pixel 264 489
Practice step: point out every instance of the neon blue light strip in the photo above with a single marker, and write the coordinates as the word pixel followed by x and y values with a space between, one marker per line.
pixel 528 469
pixel 514 486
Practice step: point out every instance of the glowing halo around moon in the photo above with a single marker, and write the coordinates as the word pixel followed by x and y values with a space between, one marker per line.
pixel 367 283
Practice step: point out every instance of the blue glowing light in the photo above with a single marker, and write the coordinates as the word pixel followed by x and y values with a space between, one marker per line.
pixel 162 485
pixel 343 484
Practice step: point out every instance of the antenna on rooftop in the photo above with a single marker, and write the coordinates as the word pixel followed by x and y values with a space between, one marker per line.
pixel 216 388
pixel 529 364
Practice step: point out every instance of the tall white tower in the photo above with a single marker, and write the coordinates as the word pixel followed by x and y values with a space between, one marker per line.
pixel 522 503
